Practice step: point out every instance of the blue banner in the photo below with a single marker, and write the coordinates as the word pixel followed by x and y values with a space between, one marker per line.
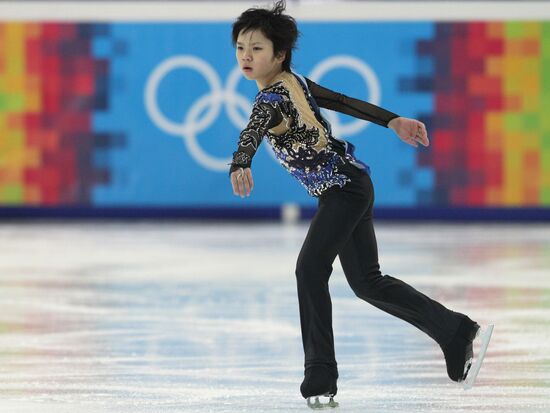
pixel 178 97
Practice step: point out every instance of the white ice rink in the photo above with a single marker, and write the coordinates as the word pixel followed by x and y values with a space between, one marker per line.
pixel 178 317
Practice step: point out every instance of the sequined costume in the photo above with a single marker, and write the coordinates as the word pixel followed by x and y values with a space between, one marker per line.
pixel 287 113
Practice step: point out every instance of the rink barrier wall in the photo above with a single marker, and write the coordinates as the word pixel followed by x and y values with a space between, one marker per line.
pixel 90 163
pixel 273 213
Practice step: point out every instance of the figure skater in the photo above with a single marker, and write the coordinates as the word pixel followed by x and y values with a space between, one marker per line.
pixel 286 112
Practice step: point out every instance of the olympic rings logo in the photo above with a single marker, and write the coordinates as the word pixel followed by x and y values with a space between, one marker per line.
pixel 232 100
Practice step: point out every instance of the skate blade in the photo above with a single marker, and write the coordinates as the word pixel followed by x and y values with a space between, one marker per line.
pixel 317 404
pixel 472 375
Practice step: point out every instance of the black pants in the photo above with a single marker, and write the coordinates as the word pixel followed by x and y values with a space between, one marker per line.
pixel 343 226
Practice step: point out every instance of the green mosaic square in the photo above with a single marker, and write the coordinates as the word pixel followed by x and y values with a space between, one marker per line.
pixel 512 122
pixel 11 194
pixel 515 30
pixel 530 122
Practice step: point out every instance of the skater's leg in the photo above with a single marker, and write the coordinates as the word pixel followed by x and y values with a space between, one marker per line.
pixel 453 331
pixel 334 221
pixel 359 259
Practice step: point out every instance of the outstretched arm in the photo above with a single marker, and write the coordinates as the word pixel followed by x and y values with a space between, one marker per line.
pixel 410 131
pixel 329 99
pixel 265 115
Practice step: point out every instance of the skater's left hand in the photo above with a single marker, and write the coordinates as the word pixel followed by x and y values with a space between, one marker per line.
pixel 410 131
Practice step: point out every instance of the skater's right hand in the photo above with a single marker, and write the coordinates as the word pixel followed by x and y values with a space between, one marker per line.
pixel 241 181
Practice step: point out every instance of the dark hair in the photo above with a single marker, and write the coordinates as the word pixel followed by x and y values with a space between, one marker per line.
pixel 280 28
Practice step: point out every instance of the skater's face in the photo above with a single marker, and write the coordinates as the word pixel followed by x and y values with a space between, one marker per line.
pixel 256 59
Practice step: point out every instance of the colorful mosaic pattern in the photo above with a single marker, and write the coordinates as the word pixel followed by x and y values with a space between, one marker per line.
pixel 490 126
pixel 50 85
pixel 71 93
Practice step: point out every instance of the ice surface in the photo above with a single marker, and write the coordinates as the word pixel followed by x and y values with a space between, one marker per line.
pixel 179 317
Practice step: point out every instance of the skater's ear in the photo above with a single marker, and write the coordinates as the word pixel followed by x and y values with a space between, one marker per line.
pixel 280 56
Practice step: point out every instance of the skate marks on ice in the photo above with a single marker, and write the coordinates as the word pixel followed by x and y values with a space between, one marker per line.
pixel 204 318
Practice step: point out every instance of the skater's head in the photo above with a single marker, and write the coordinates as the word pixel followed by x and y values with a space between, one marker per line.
pixel 264 40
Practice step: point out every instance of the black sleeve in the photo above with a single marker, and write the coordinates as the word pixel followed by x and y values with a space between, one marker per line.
pixel 329 99
pixel 265 116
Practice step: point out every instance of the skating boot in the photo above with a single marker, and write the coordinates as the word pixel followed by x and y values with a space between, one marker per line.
pixel 320 381
pixel 459 353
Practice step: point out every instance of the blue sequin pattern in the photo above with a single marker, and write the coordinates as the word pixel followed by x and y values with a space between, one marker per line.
pixel 298 149
pixel 267 97
pixel 318 180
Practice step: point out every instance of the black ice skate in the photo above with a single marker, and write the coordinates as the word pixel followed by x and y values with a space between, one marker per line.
pixel 459 353
pixel 320 381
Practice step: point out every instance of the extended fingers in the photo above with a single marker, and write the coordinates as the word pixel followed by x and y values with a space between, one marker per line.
pixel 237 183
pixel 417 134
pixel 249 180
pixel 422 134
pixel 412 141
pixel 241 181
pixel 234 184
pixel 246 184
